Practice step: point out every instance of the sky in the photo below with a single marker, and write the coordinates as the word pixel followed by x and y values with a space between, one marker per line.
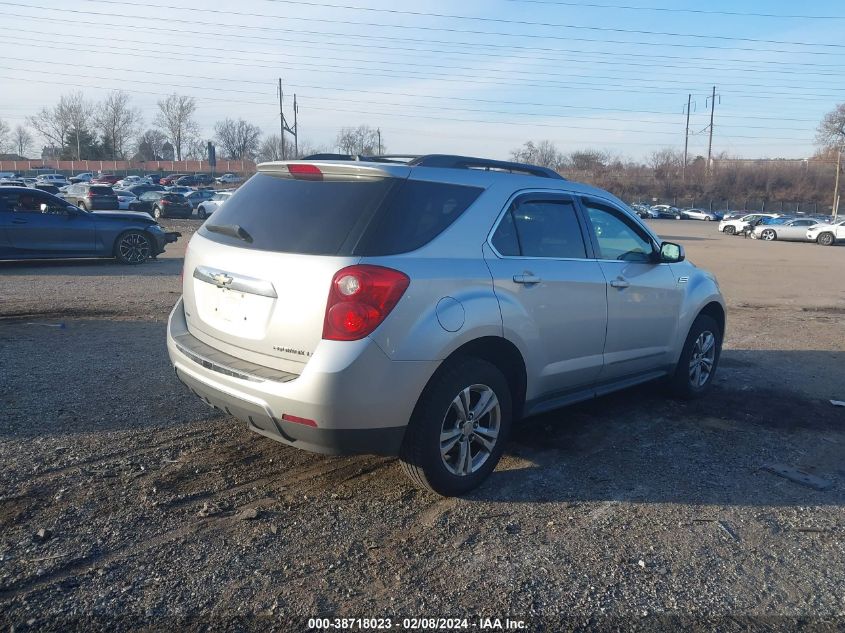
pixel 477 77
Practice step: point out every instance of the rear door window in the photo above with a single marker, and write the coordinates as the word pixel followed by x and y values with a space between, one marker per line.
pixel 102 191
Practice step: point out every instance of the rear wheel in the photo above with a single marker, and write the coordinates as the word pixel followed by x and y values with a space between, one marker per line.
pixel 707 218
pixel 459 428
pixel 730 230
pixel 83 206
pixel 826 239
pixel 201 213
pixel 697 365
pixel 769 235
pixel 133 247
pixel 156 212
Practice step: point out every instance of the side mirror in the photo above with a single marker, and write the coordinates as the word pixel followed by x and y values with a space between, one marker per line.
pixel 671 253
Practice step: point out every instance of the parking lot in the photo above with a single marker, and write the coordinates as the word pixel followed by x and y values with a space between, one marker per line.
pixel 124 499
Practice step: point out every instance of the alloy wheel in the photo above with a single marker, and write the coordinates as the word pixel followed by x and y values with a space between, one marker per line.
pixel 470 430
pixel 768 234
pixel 134 248
pixel 703 359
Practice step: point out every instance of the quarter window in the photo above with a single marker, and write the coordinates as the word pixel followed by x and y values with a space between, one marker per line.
pixel 618 239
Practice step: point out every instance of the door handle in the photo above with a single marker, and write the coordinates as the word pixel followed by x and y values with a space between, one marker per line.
pixel 620 283
pixel 527 279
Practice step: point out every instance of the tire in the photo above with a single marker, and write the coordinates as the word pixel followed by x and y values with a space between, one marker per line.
pixel 83 206
pixel 730 230
pixel 826 239
pixel 707 218
pixel 201 213
pixel 439 412
pixel 133 247
pixel 769 235
pixel 678 216
pixel 156 212
pixel 686 382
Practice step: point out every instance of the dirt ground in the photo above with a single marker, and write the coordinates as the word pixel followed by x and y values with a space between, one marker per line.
pixel 125 503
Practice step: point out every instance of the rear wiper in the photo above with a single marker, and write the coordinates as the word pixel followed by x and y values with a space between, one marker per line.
pixel 232 230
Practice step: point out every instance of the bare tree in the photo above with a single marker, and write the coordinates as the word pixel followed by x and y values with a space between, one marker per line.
pixel 665 162
pixel 53 123
pixel 176 120
pixel 831 130
pixel 5 136
pixel 195 148
pixel 588 160
pixel 238 139
pixel 270 149
pixel 150 144
pixel 118 122
pixel 359 140
pixel 79 113
pixel 22 140
pixel 544 154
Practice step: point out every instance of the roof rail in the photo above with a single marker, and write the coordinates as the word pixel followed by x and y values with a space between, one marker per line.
pixel 468 162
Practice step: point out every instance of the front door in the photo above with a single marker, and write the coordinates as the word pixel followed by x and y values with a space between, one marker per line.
pixel 643 296
pixel 40 224
pixel 552 295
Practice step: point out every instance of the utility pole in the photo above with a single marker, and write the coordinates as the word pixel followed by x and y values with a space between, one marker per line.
pixel 710 143
pixel 836 186
pixel 295 128
pixel 378 130
pixel 686 141
pixel 282 119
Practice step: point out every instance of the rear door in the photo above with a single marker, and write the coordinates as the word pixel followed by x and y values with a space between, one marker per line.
pixel 643 297
pixel 551 291
pixel 258 272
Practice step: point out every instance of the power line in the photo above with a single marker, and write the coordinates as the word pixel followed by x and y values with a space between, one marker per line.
pixel 430 28
pixel 474 45
pixel 592 5
pixel 451 16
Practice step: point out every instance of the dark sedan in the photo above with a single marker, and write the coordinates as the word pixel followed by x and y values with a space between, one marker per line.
pixel 163 203
pixel 37 225
pixel 90 197
pixel 139 190
pixel 195 180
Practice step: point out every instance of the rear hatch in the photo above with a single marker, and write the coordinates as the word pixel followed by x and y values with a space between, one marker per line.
pixel 258 272
pixel 103 196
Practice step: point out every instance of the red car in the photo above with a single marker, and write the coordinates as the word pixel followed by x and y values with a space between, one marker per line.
pixel 171 179
pixel 105 179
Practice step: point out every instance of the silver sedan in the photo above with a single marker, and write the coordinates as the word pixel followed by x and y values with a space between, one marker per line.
pixel 794 230
pixel 700 214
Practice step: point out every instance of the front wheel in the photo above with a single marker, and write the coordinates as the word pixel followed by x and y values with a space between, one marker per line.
pixel 459 428
pixel 826 239
pixel 157 212
pixel 201 213
pixel 730 230
pixel 696 367
pixel 133 247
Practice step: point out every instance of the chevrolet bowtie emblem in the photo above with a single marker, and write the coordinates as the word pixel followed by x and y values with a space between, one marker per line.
pixel 222 279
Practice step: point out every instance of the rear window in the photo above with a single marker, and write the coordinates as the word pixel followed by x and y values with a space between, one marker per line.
pixel 333 217
pixel 174 197
pixel 102 191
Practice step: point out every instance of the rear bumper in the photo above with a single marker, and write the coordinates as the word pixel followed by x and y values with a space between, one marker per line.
pixel 360 400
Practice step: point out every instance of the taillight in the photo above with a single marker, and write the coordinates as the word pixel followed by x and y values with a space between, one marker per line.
pixel 360 298
pixel 90 194
pixel 163 201
pixel 305 172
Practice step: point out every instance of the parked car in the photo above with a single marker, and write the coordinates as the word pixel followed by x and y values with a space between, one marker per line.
pixel 29 182
pixel 128 181
pixel 667 211
pixel 163 204
pixel 738 225
pixel 124 199
pixel 201 195
pixel 700 214
pixel 229 179
pixel 644 211
pixel 46 187
pixel 179 189
pixel 171 179
pixel 90 196
pixel 12 182
pixel 419 310
pixel 827 234
pixel 37 225
pixel 58 180
pixel 141 189
pixel 153 178
pixel 195 180
pixel 205 209
pixel 83 177
pixel 783 228
pixel 105 179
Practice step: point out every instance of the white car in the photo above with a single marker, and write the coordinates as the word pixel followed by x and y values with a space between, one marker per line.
pixel 229 179
pixel 208 207
pixel 128 181
pixel 52 179
pixel 738 225
pixel 83 177
pixel 124 198
pixel 827 234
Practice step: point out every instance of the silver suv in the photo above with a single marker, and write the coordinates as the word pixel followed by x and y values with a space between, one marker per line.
pixel 420 309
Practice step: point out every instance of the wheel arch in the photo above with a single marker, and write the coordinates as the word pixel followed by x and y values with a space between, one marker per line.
pixel 716 312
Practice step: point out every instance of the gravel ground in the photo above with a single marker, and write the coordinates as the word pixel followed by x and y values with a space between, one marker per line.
pixel 125 503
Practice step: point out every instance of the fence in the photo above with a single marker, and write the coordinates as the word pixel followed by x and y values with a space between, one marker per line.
pixel 740 204
pixel 125 167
